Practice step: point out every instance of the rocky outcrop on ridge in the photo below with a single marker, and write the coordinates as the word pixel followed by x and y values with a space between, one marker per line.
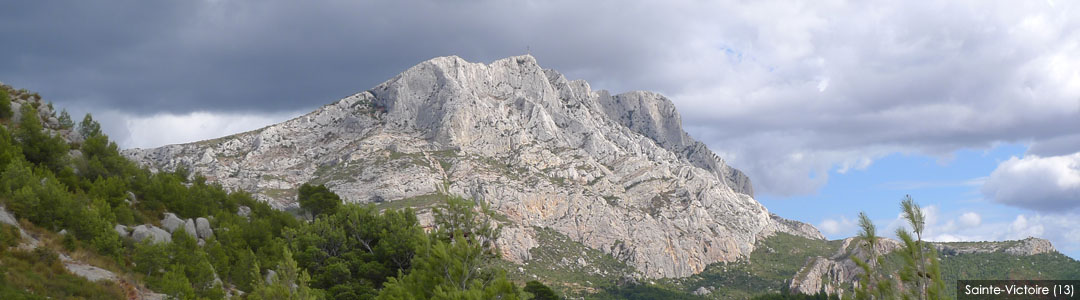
pixel 616 173
pixel 839 272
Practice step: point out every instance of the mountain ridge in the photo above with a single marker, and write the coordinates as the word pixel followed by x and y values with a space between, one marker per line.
pixel 616 173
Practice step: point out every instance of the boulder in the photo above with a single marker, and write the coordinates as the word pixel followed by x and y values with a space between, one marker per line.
pixel 74 136
pixel 171 222
pixel 202 227
pixel 158 235
pixel 189 227
pixel 702 291
pixel 271 276
pixel 16 107
pixel 121 230
pixel 244 211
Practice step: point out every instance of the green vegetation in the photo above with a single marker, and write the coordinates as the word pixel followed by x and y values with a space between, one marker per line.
pixel 873 282
pixel 540 291
pixel 65 120
pixel 39 147
pixel 287 282
pixel 459 260
pixel 353 251
pixel 90 193
pixel 317 200
pixel 417 202
pixel 557 260
pixel 39 274
pixel 5 105
pixel 88 127
pixel 769 269
pixel 921 272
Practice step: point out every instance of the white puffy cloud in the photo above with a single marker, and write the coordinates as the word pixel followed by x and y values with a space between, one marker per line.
pixel 969 219
pixel 163 129
pixel 840 226
pixel 1047 184
pixel 893 76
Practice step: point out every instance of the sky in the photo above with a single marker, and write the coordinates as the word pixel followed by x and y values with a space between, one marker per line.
pixel 970 107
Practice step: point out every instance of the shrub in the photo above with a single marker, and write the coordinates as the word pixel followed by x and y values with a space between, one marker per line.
pixel 5 105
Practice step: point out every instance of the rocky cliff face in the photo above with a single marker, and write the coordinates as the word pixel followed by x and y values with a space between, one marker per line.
pixel 615 173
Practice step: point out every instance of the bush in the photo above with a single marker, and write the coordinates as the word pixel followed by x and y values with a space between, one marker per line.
pixel 65 120
pixel 540 291
pixel 317 200
pixel 5 104
pixel 37 146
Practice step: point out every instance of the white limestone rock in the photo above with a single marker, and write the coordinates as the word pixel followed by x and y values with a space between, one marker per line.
pixel 616 173
pixel 202 227
pixel 121 230
pixel 243 211
pixel 158 235
pixel 189 228
pixel 171 222
pixel 7 218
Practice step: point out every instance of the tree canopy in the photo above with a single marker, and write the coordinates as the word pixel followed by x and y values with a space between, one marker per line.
pixel 317 199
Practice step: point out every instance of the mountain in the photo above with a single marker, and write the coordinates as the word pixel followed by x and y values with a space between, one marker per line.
pixel 557 160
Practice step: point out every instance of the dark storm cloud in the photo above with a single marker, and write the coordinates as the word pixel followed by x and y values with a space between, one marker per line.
pixel 269 56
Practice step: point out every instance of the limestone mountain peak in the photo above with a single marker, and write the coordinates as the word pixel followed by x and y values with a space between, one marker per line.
pixel 616 173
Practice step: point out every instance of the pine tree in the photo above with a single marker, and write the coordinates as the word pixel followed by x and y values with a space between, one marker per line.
pixel 459 262
pixel 88 127
pixel 872 284
pixel 318 200
pixel 65 120
pixel 175 284
pixel 540 291
pixel 925 281
pixel 288 283
pixel 37 145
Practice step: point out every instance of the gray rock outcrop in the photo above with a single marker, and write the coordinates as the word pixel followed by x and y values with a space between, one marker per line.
pixel 158 235
pixel 615 173
pixel 243 211
pixel 1024 247
pixel 171 222
pixel 202 227
pixel 189 228
pixel 1031 246
pixel 121 230
pixel 7 218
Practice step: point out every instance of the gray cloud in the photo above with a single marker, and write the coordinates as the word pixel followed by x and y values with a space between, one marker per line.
pixel 1047 184
pixel 282 55
pixel 787 91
